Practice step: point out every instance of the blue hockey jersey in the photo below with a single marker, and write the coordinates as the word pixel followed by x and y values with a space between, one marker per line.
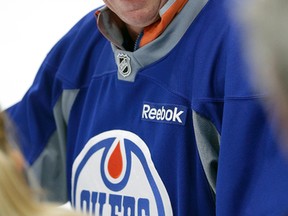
pixel 172 128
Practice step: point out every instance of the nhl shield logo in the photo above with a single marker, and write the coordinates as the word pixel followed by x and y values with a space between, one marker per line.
pixel 114 175
pixel 124 66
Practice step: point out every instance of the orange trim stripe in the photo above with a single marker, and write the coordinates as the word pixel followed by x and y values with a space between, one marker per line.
pixel 153 31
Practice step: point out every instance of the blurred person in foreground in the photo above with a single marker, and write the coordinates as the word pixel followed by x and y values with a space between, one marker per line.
pixel 265 24
pixel 144 107
pixel 17 198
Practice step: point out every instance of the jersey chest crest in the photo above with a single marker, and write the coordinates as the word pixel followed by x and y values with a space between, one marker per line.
pixel 115 175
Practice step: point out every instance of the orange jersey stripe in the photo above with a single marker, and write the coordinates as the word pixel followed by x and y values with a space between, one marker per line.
pixel 153 31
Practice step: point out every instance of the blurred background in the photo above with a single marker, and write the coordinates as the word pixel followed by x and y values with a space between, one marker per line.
pixel 29 29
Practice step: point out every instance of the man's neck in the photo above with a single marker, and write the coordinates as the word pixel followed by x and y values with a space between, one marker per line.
pixel 134 31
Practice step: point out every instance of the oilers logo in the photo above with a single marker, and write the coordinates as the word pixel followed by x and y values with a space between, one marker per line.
pixel 115 175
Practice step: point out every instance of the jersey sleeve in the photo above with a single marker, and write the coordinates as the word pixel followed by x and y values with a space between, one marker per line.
pixel 41 117
pixel 252 174
pixel 40 126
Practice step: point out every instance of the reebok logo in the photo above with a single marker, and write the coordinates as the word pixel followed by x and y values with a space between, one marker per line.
pixel 164 113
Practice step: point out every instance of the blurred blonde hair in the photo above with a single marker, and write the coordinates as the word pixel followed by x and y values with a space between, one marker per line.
pixel 266 34
pixel 265 30
pixel 16 197
pixel 265 27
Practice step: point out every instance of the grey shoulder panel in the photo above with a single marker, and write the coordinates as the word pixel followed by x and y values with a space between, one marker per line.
pixel 208 144
pixel 67 99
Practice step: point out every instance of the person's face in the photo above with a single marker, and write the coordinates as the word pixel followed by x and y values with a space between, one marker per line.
pixel 136 13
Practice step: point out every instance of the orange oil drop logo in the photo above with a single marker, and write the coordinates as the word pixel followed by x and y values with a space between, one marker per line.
pixel 115 163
